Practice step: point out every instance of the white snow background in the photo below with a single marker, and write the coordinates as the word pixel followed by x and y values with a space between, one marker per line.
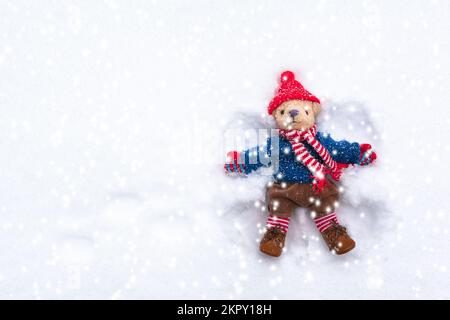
pixel 111 112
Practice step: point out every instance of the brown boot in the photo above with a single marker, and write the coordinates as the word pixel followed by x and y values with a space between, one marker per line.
pixel 273 242
pixel 337 239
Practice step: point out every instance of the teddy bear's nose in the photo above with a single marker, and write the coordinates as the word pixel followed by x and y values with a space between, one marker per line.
pixel 293 113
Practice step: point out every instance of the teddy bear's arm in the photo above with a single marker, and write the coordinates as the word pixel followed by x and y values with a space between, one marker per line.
pixel 249 160
pixel 349 153
pixel 341 151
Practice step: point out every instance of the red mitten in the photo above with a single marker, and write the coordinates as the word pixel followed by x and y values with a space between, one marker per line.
pixel 367 155
pixel 232 164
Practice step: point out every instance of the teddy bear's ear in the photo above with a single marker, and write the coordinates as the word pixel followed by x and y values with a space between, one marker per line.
pixel 316 107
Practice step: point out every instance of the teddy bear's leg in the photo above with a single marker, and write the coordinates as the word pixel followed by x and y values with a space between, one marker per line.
pixel 280 210
pixel 323 210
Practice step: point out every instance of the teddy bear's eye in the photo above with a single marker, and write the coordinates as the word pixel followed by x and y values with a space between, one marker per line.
pixel 282 112
pixel 306 112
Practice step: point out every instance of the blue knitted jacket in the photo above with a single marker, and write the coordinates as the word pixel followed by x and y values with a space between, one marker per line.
pixel 289 169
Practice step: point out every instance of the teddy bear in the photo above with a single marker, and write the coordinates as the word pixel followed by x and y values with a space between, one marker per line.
pixel 309 166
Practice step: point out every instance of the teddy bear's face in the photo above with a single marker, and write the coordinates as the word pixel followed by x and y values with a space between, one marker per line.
pixel 296 115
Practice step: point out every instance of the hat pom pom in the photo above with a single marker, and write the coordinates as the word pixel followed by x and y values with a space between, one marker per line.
pixel 287 76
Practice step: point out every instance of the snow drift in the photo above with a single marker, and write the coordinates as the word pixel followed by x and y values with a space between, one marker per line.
pixel 112 115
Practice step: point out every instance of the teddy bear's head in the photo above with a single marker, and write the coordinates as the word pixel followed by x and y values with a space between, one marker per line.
pixel 296 114
pixel 293 107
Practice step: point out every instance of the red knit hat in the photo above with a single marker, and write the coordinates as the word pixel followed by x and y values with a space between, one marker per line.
pixel 290 89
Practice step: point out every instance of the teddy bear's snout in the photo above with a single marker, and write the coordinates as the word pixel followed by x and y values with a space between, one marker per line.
pixel 293 113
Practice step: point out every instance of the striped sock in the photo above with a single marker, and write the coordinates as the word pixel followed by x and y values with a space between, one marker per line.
pixel 323 223
pixel 273 221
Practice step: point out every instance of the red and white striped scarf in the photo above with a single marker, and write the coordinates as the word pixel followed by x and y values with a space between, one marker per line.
pixel 297 139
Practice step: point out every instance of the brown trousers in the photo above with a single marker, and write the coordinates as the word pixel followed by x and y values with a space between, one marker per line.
pixel 282 201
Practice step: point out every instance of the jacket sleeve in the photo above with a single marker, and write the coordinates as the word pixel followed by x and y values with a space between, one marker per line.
pixel 254 158
pixel 257 157
pixel 342 151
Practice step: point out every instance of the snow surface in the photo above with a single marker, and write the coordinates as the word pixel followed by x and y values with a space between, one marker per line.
pixel 112 119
